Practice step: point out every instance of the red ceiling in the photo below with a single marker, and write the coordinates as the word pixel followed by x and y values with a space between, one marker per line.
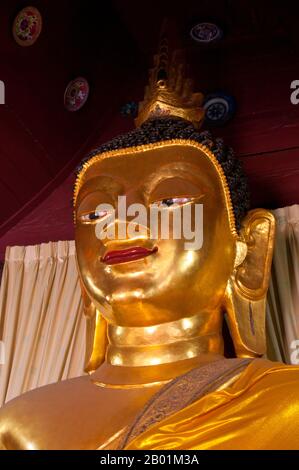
pixel 40 142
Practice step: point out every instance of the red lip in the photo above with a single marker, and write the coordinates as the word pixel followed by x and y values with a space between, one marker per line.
pixel 129 254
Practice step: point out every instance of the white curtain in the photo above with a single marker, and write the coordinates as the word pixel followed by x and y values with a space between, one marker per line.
pixel 283 296
pixel 42 326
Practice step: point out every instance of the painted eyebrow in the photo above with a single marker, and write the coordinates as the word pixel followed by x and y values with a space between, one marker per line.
pixel 173 171
pixel 105 184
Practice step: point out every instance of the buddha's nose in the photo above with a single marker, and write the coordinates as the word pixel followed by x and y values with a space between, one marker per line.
pixel 130 205
pixel 130 219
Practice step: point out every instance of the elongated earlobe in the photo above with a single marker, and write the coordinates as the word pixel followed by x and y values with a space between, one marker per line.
pixel 245 297
pixel 96 334
pixel 96 342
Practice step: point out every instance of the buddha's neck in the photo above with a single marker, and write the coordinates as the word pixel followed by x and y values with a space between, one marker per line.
pixel 165 343
pixel 163 351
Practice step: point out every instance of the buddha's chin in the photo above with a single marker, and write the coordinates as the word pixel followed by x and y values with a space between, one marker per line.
pixel 130 282
pixel 127 296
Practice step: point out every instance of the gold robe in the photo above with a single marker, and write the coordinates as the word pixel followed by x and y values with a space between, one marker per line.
pixel 260 410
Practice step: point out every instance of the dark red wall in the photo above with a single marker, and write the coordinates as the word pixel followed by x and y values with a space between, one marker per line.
pixel 39 139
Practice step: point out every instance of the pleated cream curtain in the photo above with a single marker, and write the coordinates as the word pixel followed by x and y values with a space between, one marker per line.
pixel 283 296
pixel 42 326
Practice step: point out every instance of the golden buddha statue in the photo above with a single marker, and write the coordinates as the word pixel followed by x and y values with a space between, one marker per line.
pixel 157 377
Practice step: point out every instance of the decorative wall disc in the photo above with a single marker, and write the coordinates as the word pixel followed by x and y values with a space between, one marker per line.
pixel 76 94
pixel 27 26
pixel 219 108
pixel 206 33
pixel 129 109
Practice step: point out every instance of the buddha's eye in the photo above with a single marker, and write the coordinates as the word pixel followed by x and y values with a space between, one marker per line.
pixel 178 201
pixel 93 216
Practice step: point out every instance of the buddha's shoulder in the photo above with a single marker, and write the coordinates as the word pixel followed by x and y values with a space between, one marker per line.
pixel 265 367
pixel 279 380
pixel 57 394
pixel 71 414
pixel 26 419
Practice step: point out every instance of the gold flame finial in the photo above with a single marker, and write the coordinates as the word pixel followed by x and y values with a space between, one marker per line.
pixel 170 92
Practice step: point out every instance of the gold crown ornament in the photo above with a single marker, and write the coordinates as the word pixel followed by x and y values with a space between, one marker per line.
pixel 170 91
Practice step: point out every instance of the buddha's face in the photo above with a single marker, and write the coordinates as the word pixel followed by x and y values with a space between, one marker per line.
pixel 140 280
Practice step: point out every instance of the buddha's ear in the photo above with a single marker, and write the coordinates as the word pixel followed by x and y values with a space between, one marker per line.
pixel 245 296
pixel 96 334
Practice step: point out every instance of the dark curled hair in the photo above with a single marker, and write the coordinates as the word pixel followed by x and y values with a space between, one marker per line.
pixel 167 128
